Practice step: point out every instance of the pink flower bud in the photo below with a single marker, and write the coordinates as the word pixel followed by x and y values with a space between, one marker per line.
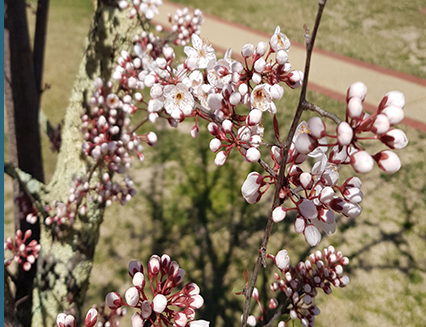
pixel 293 314
pixel 344 133
pixel 191 289
pixel 357 89
pixel 60 320
pixel 168 52
pixel 194 131
pixel 312 235
pixel 344 281
pixel 393 98
pixel 254 117
pixel 70 321
pixel 353 194
pixel 327 216
pixel 307 209
pixel 351 210
pixel 91 317
pixel 243 89
pixel 214 101
pixel 146 309
pixel 326 195
pixel 149 80
pixel 132 296
pixel 282 260
pixel 273 304
pixel 252 154
pixel 134 267
pixel 261 48
pixel 380 124
pixel 138 280
pixel 281 57
pixel 235 98
pixel 153 265
pixel 317 127
pixel 251 186
pixel 353 182
pixel 394 114
pixel 220 158
pixel 354 108
pixel 279 214
pixel 247 50
pixel 151 139
pixel 227 125
pixel 388 161
pixel 215 145
pixel 137 320
pixel 173 270
pixel 256 78
pixel 251 320
pixel 180 319
pixel 395 139
pixel 196 301
pixel 362 162
pixel 259 65
pixel 113 300
pixel 179 278
pixel 306 180
pixel 299 224
pixel 305 143
pixel 213 129
pixel 159 303
pixel 295 79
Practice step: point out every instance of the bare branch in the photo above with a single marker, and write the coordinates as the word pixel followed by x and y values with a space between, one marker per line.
pixel 284 153
pixel 313 107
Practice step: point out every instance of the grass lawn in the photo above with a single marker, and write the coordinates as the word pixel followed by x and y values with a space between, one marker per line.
pixel 192 210
pixel 387 33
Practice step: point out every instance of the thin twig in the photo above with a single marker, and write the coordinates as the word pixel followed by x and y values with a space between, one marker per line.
pixel 313 107
pixel 281 176
pixel 14 172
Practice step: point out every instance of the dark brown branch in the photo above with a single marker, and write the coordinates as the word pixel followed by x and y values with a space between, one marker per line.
pixel 22 104
pixel 40 42
pixel 281 176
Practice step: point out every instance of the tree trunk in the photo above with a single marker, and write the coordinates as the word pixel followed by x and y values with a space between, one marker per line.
pixel 65 264
pixel 22 101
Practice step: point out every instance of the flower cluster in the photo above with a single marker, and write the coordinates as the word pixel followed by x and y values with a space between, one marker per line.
pixel 23 254
pixel 184 25
pixel 94 316
pixel 27 210
pixel 300 284
pixel 317 195
pixel 149 8
pixel 163 308
pixel 107 131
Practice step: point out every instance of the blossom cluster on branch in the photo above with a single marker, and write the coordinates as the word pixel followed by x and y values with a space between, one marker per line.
pixel 300 284
pixel 165 306
pixel 23 254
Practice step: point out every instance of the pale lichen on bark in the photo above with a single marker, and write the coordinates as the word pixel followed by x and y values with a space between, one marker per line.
pixel 65 263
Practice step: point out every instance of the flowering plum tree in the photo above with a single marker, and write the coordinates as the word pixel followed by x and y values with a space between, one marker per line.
pixel 101 138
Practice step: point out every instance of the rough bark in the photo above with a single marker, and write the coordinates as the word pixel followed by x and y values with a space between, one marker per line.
pixel 65 263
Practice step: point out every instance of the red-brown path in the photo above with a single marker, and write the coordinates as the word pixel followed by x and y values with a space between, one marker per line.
pixel 331 73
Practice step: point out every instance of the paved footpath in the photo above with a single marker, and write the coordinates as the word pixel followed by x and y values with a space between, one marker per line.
pixel 331 73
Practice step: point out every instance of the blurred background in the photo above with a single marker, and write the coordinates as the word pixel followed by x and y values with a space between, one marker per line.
pixel 193 211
